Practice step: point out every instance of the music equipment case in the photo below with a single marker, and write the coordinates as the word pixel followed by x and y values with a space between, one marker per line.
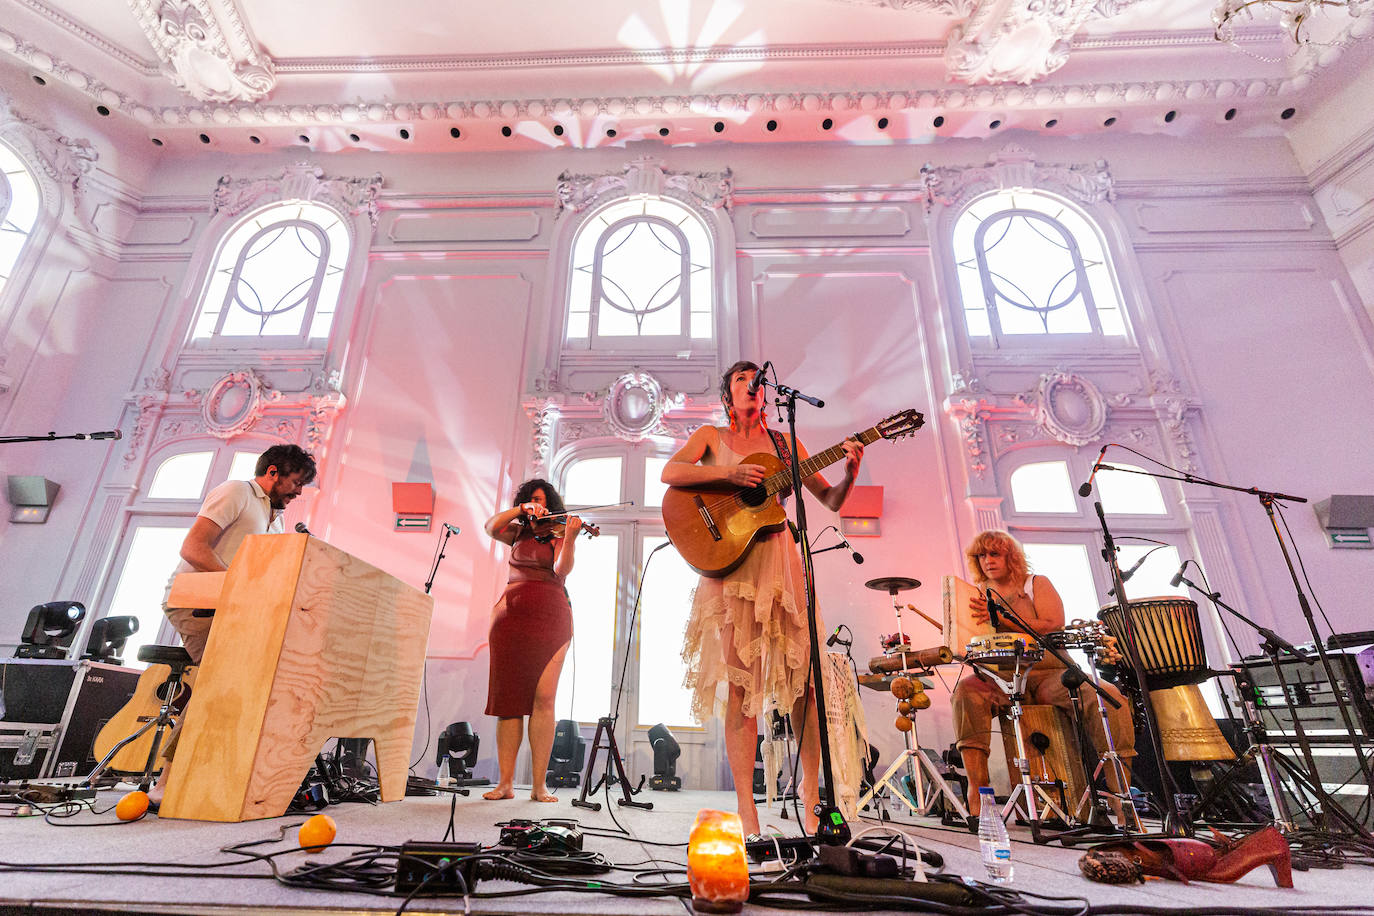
pixel 67 703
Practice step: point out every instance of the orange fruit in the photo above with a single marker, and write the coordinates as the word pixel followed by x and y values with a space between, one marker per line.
pixel 132 806
pixel 317 833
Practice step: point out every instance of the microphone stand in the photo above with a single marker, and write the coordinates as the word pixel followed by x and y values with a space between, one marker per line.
pixel 1329 809
pixel 1267 499
pixel 1073 678
pixel 832 829
pixel 438 558
pixel 53 437
pixel 1175 824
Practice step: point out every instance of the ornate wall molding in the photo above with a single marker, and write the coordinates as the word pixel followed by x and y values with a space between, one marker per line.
pixel 1015 167
pixel 543 415
pixel 646 175
pixel 301 181
pixel 206 49
pixel 62 160
pixel 1068 408
pixel 235 403
pixel 971 416
pixel 634 405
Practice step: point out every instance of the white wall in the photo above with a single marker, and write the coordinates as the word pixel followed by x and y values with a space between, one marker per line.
pixel 1244 296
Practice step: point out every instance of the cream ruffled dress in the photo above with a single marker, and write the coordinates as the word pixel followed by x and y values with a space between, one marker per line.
pixel 749 627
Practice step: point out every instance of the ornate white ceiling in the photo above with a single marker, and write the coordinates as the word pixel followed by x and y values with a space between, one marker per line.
pixel 431 73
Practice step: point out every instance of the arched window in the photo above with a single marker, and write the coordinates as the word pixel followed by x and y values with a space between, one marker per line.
pixel 18 210
pixel 277 277
pixel 176 482
pixel 1030 266
pixel 602 590
pixel 641 274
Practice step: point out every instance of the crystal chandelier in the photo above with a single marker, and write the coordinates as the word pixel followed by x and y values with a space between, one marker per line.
pixel 1295 15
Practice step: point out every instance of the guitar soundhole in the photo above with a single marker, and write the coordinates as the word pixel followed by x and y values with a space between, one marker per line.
pixel 754 496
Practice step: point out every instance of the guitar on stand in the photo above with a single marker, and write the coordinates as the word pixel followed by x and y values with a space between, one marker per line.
pixel 714 528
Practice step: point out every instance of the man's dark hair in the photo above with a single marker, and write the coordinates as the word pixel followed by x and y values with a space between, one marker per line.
pixel 551 497
pixel 288 459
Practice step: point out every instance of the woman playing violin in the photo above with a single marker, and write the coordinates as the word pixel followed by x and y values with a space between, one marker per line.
pixel 531 627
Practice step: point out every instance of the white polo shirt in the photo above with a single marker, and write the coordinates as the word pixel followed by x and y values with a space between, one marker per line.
pixel 240 508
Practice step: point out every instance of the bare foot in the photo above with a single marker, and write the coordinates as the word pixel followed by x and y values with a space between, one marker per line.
pixel 540 795
pixel 499 792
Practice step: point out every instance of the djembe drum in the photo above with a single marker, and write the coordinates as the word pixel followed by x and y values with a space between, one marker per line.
pixel 1168 639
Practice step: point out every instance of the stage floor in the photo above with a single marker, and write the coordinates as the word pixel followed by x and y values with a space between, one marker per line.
pixel 170 866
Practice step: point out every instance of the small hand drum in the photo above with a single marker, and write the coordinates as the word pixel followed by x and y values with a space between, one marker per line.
pixel 1001 650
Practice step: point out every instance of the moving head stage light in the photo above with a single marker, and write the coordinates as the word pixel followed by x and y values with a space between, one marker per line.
pixel 49 629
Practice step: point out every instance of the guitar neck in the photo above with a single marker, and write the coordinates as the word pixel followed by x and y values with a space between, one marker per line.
pixel 780 481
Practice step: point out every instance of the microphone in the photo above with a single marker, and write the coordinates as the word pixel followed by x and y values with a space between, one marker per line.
pixel 106 434
pixel 300 526
pixel 992 609
pixel 1088 484
pixel 834 637
pixel 1125 577
pixel 757 382
pixel 1177 578
pixel 452 529
pixel 858 557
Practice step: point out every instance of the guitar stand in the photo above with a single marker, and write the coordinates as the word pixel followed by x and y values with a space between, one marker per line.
pixel 178 660
pixel 606 725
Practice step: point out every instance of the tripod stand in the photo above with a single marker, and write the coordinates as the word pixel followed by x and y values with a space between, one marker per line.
pixel 606 726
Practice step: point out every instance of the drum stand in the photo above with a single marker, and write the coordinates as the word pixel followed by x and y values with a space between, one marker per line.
pixel 1128 821
pixel 1022 799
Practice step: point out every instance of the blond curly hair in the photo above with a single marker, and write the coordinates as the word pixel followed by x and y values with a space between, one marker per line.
pixel 1010 547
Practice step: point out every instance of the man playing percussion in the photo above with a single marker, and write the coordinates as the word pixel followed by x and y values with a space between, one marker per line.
pixel 997 561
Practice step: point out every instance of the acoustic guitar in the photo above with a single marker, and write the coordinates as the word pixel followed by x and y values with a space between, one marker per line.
pixel 142 707
pixel 715 527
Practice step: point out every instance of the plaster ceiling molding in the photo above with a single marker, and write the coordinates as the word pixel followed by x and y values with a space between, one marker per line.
pixel 646 176
pixel 61 159
pixel 206 49
pixel 1015 167
pixel 635 403
pixel 1068 408
pixel 301 181
pixel 1008 41
pixel 235 403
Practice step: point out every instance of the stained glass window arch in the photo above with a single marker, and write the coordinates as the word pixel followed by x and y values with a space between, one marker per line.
pixel 641 274
pixel 20 205
pixel 276 278
pixel 1031 266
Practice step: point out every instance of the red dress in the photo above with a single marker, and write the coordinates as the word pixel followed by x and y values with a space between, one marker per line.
pixel 531 622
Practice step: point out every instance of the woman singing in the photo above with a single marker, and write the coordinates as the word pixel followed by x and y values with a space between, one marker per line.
pixel 531 627
pixel 747 639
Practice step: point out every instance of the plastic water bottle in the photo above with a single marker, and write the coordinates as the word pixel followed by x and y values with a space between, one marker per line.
pixel 992 838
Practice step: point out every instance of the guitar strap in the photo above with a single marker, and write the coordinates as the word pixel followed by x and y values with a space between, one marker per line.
pixel 784 453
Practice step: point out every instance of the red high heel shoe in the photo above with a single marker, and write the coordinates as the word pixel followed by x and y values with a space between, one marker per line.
pixel 1180 858
pixel 1266 846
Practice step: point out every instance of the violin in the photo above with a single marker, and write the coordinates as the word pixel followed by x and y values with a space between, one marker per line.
pixel 548 527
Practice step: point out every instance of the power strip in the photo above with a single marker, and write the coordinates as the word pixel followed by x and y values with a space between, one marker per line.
pixel 793 849
pixel 433 869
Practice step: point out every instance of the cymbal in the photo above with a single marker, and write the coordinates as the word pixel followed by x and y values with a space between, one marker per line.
pixel 892 584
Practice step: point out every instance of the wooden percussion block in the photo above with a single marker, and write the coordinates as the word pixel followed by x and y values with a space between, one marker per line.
pixel 1060 761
